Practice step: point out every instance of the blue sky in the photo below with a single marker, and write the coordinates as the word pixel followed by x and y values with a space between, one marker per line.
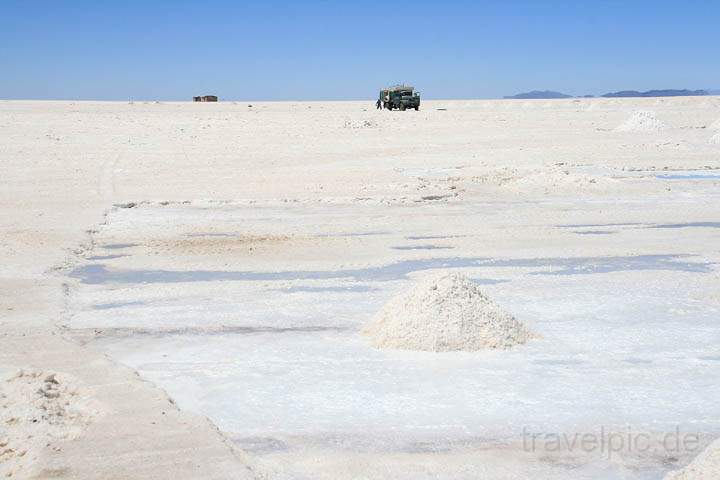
pixel 304 50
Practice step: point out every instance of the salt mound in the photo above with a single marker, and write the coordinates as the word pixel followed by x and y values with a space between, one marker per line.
pixel 706 466
pixel 37 410
pixel 446 312
pixel 715 139
pixel 642 121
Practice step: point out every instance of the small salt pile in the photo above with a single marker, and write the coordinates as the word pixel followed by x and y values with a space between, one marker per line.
pixel 642 121
pixel 705 467
pixel 360 124
pixel 446 312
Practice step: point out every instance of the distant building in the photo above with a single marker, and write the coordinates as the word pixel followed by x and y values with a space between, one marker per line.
pixel 206 98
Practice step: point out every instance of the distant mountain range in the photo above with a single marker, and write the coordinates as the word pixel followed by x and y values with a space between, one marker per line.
pixel 538 94
pixel 657 93
pixel 546 94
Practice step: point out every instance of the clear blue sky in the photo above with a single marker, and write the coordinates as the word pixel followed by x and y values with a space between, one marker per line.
pixel 283 50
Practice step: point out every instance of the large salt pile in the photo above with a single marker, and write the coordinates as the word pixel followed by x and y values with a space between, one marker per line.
pixel 446 312
pixel 642 121
pixel 705 467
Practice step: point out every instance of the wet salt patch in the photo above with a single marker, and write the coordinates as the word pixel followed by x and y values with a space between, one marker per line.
pixel 587 265
pixel 639 361
pixel 105 257
pixel 119 332
pixel 421 247
pixel 354 234
pixel 689 176
pixel 559 362
pixel 434 237
pixel 594 232
pixel 118 246
pixel 99 274
pixel 712 358
pixel 211 235
pixel 343 289
pixel 260 445
pixel 111 305
pixel 688 225
pixel 584 225
pixel 229 304
pixel 488 281
pixel 618 264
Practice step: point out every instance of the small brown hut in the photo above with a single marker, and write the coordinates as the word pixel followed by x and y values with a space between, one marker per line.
pixel 206 98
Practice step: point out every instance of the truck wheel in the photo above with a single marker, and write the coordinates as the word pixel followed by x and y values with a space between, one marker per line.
pixel 417 108
pixel 402 108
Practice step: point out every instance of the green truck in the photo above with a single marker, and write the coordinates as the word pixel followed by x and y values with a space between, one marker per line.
pixel 401 97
